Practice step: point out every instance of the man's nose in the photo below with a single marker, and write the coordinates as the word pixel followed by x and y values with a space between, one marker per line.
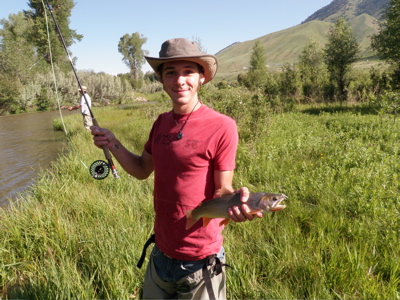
pixel 180 79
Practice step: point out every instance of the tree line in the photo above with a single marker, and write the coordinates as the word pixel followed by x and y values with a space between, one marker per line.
pixel 322 70
pixel 323 73
pixel 35 70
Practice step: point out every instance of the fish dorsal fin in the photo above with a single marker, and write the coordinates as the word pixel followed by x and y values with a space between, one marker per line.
pixel 223 191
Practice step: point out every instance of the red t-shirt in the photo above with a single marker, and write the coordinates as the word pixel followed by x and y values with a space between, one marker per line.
pixel 184 177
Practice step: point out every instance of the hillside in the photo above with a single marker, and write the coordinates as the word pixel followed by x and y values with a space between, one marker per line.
pixel 349 9
pixel 286 45
pixel 282 46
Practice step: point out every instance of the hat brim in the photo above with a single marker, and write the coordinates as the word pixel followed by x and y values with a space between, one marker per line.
pixel 208 62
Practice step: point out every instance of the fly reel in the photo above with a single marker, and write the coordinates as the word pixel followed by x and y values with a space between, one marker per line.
pixel 99 169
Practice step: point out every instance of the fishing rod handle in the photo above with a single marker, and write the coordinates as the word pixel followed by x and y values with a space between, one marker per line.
pixel 107 153
pixel 105 147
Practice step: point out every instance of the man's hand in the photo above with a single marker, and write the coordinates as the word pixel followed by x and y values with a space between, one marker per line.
pixel 102 136
pixel 241 213
pixel 74 107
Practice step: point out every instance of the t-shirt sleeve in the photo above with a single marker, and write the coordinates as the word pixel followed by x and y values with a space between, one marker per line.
pixel 225 154
pixel 148 144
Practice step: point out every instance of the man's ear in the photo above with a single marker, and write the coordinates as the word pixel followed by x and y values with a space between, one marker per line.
pixel 202 79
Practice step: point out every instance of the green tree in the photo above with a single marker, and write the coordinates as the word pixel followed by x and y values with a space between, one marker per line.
pixel 43 102
pixel 341 52
pixel 130 46
pixel 38 34
pixel 289 82
pixel 313 70
pixel 387 42
pixel 258 60
pixel 257 75
pixel 9 94
pixel 17 55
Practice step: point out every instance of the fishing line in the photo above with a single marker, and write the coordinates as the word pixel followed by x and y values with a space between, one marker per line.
pixel 55 83
pixel 43 55
pixel 53 71
pixel 98 169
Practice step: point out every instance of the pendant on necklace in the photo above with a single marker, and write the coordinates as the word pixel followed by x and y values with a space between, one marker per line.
pixel 179 135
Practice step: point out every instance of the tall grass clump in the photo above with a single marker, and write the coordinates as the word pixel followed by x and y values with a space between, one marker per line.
pixel 74 237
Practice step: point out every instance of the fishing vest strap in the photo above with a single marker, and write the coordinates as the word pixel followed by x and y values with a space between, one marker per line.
pixel 215 267
pixel 151 240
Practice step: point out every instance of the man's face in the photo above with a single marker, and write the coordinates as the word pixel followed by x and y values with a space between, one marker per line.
pixel 181 80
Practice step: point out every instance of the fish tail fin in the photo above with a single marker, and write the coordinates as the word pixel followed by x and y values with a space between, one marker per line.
pixel 190 221
pixel 224 222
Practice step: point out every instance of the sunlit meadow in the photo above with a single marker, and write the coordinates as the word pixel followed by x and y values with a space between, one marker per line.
pixel 75 237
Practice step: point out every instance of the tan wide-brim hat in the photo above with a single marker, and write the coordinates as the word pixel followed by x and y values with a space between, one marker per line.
pixel 183 49
pixel 84 88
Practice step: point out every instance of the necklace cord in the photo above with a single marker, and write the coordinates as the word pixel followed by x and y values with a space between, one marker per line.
pixel 180 134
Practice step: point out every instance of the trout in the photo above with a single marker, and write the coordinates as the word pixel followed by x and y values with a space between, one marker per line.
pixel 218 207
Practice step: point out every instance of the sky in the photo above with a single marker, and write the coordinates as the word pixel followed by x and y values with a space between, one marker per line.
pixel 215 23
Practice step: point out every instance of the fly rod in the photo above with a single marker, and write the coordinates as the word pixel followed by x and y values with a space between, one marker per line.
pixel 99 169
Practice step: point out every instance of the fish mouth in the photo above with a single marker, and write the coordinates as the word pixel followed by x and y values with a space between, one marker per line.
pixel 277 205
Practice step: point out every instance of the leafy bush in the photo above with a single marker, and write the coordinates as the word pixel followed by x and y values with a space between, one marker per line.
pixel 9 95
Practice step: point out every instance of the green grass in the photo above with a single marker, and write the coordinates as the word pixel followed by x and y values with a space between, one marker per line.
pixel 338 238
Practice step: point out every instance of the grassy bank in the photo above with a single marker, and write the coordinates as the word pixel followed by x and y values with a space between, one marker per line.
pixel 338 238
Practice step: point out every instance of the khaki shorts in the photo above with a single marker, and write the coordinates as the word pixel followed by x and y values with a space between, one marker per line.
pixel 192 286
pixel 87 121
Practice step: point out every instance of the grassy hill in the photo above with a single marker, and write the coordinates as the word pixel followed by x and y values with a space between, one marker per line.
pixel 364 26
pixel 286 45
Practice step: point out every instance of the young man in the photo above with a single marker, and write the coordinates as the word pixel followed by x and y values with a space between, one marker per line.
pixel 191 150
pixel 87 119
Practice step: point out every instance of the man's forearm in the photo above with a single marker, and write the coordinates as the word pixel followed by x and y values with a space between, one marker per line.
pixel 139 166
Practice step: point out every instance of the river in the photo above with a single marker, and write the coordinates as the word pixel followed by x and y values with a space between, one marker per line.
pixel 28 144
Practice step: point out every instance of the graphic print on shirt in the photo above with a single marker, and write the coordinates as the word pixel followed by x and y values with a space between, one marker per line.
pixel 171 140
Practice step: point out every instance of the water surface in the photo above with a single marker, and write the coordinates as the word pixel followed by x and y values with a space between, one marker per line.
pixel 28 144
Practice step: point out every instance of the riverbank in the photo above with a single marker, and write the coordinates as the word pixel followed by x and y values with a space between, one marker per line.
pixel 77 237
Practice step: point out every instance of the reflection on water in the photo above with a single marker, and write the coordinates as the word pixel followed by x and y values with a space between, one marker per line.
pixel 28 144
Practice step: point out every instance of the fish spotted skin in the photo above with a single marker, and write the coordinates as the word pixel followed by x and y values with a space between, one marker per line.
pixel 218 207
